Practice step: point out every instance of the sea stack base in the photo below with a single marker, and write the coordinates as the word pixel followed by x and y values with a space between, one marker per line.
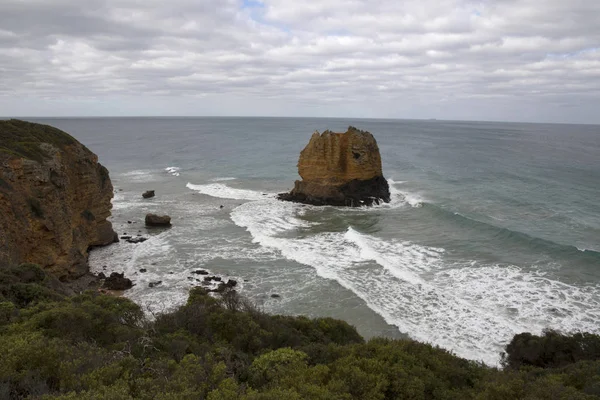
pixel 355 193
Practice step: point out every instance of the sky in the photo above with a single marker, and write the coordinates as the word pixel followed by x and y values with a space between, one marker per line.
pixel 502 60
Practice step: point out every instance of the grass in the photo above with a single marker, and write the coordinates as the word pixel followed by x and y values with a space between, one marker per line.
pixel 22 139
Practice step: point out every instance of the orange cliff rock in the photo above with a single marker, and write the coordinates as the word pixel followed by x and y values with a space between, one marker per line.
pixel 341 169
pixel 55 199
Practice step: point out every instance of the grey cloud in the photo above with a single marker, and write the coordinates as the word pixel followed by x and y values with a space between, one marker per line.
pixel 449 56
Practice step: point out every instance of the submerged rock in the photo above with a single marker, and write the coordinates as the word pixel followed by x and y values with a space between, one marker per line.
pixel 157 220
pixel 136 240
pixel 340 169
pixel 200 272
pixel 231 283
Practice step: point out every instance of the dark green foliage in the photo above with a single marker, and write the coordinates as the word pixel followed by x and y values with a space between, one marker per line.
pixel 22 139
pixel 96 346
pixel 551 350
pixel 29 273
pixel 26 284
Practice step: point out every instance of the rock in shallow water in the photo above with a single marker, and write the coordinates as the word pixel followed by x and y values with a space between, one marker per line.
pixel 148 194
pixel 200 272
pixel 340 169
pixel 157 220
pixel 117 281
pixel 136 240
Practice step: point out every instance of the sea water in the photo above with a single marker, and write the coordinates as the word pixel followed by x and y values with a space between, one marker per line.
pixel 493 228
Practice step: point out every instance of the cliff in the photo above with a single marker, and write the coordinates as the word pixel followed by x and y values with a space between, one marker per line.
pixel 55 199
pixel 341 169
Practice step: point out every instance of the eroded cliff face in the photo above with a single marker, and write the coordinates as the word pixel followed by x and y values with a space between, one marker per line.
pixel 55 199
pixel 342 169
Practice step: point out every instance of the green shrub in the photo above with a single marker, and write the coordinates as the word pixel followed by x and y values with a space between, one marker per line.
pixel 550 350
pixel 26 284
pixel 29 273
pixel 7 312
pixel 22 139
pixel 95 346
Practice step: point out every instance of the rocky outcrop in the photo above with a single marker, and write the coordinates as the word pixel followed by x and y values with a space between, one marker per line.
pixel 117 281
pixel 55 199
pixel 340 169
pixel 157 220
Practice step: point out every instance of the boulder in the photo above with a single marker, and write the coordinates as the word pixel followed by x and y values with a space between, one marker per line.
pixel 148 194
pixel 200 272
pixel 136 240
pixel 117 281
pixel 154 284
pixel 231 283
pixel 340 169
pixel 158 220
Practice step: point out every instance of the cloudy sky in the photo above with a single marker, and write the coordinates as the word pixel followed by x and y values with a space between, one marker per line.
pixel 515 60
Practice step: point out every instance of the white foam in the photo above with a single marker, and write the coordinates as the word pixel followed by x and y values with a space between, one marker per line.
pixel 137 172
pixel 225 192
pixel 227 178
pixel 120 202
pixel 139 176
pixel 173 170
pixel 532 300
pixel 471 309
pixel 155 255
pixel 398 198
pixel 403 259
pixel 412 199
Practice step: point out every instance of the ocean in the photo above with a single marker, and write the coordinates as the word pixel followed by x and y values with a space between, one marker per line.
pixel 493 228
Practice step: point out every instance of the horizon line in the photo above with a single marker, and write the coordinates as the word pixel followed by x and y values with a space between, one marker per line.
pixel 288 117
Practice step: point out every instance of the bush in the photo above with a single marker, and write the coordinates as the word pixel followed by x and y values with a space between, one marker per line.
pixel 95 346
pixel 550 350
pixel 26 284
pixel 22 139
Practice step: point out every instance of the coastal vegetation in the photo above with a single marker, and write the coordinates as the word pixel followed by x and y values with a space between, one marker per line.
pixel 221 347
pixel 22 139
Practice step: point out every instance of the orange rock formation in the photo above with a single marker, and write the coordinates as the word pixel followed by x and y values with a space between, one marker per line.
pixel 55 199
pixel 340 169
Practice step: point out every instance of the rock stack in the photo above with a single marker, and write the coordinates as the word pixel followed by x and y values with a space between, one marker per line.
pixel 340 169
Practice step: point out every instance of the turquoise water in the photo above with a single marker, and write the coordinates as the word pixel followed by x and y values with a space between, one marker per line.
pixel 493 228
